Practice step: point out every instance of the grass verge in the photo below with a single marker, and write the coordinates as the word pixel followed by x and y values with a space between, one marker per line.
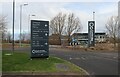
pixel 19 62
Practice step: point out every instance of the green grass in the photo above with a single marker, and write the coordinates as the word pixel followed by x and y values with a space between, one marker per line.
pixel 0 61
pixel 19 62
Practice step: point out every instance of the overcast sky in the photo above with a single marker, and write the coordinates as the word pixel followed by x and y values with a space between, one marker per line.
pixel 48 9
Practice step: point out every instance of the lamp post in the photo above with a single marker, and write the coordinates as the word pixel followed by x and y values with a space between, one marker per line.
pixel 93 16
pixel 21 20
pixel 29 26
pixel 13 25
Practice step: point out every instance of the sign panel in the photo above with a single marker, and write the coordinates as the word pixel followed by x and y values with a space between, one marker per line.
pixel 91 33
pixel 39 38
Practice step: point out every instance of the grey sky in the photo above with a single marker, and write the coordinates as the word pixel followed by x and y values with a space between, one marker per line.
pixel 47 10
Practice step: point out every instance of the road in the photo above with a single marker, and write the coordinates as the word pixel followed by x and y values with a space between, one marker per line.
pixel 95 63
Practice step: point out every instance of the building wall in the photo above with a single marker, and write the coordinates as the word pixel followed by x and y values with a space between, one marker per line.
pixel 82 38
pixel 100 38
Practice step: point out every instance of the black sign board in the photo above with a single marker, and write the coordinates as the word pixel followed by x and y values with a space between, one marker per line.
pixel 91 33
pixel 39 39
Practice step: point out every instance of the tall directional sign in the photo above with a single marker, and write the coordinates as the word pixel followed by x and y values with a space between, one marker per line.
pixel 39 39
pixel 91 33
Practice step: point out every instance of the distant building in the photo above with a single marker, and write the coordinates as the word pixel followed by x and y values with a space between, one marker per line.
pixel 76 39
pixel 82 38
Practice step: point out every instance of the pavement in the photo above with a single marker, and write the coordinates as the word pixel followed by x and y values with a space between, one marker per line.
pixel 95 63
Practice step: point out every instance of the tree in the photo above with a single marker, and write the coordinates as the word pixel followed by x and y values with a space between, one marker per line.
pixel 28 38
pixel 3 25
pixel 112 28
pixel 23 36
pixel 65 24
pixel 73 25
pixel 57 24
pixel 9 37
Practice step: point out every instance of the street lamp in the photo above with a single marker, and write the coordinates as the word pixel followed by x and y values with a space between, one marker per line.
pixel 21 20
pixel 93 15
pixel 29 26
pixel 13 24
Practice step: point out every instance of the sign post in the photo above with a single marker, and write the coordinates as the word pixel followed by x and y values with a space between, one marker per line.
pixel 91 33
pixel 39 39
pixel 119 32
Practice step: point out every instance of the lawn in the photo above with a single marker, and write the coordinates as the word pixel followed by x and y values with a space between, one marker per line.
pixel 0 62
pixel 20 62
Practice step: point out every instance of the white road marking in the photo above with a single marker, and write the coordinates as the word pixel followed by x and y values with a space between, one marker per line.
pixel 77 58
pixel 70 58
pixel 83 58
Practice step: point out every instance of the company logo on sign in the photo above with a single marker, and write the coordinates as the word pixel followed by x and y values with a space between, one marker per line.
pixel 91 31
pixel 91 24
pixel 38 51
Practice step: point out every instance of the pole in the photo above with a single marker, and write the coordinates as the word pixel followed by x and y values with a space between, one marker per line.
pixel 94 29
pixel 119 32
pixel 28 27
pixel 20 22
pixel 13 24
pixel 93 16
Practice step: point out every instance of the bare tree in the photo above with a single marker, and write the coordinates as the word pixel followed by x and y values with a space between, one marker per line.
pixel 23 36
pixel 28 37
pixel 112 28
pixel 57 24
pixel 73 25
pixel 9 37
pixel 3 25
